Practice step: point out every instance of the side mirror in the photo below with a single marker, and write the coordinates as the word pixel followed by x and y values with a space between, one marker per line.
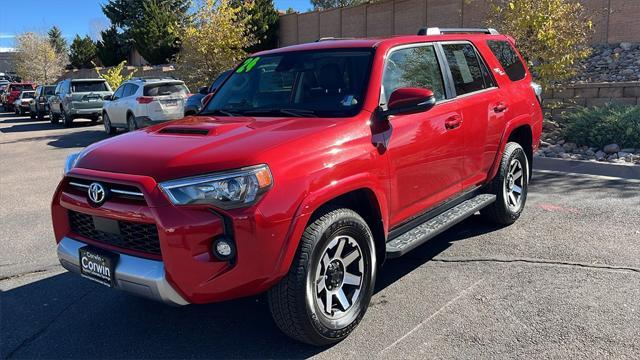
pixel 409 101
pixel 203 90
pixel 206 99
pixel 107 97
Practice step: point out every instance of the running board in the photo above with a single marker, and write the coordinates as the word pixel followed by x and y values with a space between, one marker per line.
pixel 436 225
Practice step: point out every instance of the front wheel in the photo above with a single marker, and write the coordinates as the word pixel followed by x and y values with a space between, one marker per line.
pixel 32 115
pixel 53 118
pixel 330 283
pixel 510 186
pixel 108 127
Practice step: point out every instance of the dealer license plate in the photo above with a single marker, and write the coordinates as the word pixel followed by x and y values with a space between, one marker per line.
pixel 98 265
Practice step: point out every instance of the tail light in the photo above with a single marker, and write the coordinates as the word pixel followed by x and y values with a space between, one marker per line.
pixel 537 88
pixel 144 99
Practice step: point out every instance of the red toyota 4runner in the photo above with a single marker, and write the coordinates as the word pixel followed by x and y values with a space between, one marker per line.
pixel 309 167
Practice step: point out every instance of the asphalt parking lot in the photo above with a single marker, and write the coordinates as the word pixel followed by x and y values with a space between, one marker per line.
pixel 563 282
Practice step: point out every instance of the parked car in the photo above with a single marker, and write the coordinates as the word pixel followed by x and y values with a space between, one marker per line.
pixel 74 98
pixel 140 102
pixel 40 106
pixel 309 167
pixel 21 104
pixel 13 93
pixel 194 102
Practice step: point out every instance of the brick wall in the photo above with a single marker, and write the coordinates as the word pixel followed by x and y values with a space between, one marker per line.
pixel 561 99
pixel 614 21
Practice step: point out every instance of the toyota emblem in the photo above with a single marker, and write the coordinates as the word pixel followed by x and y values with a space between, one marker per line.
pixel 97 193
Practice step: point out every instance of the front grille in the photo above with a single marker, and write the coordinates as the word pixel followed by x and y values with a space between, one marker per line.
pixel 116 190
pixel 127 235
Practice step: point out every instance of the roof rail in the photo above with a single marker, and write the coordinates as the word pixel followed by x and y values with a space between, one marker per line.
pixel 440 31
pixel 145 78
pixel 329 38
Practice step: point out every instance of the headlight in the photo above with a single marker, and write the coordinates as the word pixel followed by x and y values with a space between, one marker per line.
pixel 227 190
pixel 71 162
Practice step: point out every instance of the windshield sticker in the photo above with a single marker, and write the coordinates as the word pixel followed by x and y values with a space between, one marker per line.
pixel 248 64
pixel 349 100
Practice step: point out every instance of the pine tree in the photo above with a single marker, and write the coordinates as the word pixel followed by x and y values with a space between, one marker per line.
pixel 82 52
pixel 57 40
pixel 153 26
pixel 112 49
pixel 263 20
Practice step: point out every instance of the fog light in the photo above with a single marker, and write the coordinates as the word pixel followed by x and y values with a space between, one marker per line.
pixel 223 249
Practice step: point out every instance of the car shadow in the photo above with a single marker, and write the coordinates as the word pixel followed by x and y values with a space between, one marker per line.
pixel 78 139
pixel 36 125
pixel 65 316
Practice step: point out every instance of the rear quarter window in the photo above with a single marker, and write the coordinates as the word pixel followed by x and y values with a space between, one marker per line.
pixel 508 58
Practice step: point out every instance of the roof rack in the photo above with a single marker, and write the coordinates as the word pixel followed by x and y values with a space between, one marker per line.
pixel 441 31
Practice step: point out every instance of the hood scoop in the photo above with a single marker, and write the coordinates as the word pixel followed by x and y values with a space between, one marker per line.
pixel 184 131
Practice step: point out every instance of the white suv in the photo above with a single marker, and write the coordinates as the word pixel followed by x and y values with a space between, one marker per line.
pixel 141 102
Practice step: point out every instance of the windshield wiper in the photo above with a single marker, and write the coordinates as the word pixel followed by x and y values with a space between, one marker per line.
pixel 218 112
pixel 290 112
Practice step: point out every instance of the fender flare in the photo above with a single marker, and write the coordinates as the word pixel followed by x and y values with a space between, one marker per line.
pixel 512 125
pixel 317 198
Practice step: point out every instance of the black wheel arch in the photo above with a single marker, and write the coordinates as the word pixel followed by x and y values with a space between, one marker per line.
pixel 364 202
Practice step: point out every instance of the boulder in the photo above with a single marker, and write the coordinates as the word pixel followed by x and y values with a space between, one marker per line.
pixel 611 148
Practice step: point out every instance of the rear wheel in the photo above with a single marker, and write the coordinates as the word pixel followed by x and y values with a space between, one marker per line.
pixel 40 114
pixel 330 283
pixel 131 123
pixel 67 120
pixel 32 115
pixel 108 128
pixel 510 186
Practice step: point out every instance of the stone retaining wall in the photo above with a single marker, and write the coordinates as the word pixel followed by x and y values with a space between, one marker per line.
pixel 560 99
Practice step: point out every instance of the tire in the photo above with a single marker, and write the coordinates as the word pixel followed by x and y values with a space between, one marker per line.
pixel 67 120
pixel 32 115
pixel 16 111
pixel 108 128
pixel 512 176
pixel 299 308
pixel 131 123
pixel 40 115
pixel 53 118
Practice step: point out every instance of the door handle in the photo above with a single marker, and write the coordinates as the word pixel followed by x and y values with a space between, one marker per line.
pixel 500 107
pixel 453 122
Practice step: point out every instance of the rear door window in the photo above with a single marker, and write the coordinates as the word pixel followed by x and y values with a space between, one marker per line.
pixel 413 67
pixel 88 86
pixel 130 89
pixel 508 58
pixel 174 89
pixel 466 69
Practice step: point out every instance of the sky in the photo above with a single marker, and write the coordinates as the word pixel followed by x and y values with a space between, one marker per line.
pixel 83 17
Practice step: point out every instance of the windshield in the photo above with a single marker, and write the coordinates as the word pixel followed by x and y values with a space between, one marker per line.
pixel 311 83
pixel 21 87
pixel 28 94
pixel 166 89
pixel 88 86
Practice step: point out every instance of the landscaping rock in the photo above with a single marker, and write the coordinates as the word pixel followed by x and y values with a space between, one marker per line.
pixel 611 148
pixel 610 63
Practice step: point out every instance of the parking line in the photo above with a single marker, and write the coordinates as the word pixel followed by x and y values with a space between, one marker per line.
pixel 463 293
pixel 600 177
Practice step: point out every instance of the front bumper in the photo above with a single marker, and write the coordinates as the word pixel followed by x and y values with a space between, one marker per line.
pixel 133 274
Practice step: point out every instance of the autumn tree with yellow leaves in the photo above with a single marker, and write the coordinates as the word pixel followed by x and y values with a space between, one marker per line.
pixel 214 41
pixel 552 35
pixel 37 60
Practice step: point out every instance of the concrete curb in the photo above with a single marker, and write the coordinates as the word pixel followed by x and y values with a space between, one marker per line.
pixel 587 167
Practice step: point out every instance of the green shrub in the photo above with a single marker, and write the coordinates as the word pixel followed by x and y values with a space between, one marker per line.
pixel 599 126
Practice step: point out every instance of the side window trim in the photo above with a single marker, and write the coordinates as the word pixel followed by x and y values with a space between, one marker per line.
pixel 448 83
pixel 481 61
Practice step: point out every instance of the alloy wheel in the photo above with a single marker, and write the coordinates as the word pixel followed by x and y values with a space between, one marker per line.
pixel 514 185
pixel 339 276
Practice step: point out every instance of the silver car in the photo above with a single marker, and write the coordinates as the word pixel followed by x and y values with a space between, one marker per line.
pixel 75 98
